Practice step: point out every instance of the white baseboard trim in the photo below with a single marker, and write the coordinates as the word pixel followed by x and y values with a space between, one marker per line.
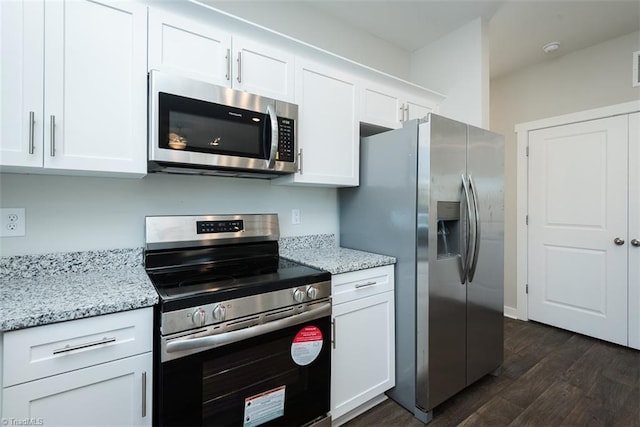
pixel 510 312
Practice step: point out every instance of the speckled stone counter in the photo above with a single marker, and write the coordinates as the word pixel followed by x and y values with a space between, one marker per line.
pixel 37 290
pixel 321 251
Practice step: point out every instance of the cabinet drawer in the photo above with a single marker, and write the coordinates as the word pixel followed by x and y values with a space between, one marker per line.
pixel 362 283
pixel 38 352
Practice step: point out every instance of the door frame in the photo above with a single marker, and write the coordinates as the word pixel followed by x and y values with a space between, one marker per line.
pixel 522 187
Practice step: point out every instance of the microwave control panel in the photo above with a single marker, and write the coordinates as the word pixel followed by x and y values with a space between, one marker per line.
pixel 286 144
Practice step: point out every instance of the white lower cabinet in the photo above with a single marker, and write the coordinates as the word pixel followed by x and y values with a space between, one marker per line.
pixel 363 357
pixel 88 372
pixel 117 393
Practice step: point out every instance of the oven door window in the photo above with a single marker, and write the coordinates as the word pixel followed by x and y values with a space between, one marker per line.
pixel 192 125
pixel 285 378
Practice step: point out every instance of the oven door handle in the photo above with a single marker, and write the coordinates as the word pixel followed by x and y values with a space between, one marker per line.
pixel 220 340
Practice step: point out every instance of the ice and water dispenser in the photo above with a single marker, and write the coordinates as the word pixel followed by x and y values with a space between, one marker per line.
pixel 448 214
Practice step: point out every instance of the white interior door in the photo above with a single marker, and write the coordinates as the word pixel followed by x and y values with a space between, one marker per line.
pixel 577 208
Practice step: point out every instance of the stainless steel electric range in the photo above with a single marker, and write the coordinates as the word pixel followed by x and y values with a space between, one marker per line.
pixel 242 337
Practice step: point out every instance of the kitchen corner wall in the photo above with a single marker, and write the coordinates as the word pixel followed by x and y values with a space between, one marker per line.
pixel 593 77
pixel 66 214
pixel 457 65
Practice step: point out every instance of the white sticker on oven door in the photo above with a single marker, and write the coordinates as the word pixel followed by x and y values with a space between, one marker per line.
pixel 306 345
pixel 264 407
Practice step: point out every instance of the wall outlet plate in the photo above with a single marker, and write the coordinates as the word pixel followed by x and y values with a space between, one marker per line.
pixel 12 222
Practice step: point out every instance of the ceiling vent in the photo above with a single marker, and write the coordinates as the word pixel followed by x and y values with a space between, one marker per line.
pixel 636 68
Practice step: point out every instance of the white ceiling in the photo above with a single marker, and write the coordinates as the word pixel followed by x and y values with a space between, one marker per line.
pixel 517 28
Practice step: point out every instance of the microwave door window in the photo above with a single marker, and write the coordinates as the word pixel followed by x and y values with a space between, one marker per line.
pixel 197 126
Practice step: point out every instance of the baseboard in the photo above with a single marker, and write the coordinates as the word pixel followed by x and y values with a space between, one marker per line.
pixel 510 312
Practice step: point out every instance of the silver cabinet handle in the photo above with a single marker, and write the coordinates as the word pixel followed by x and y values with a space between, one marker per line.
pixel 275 136
pixel 476 234
pixel 300 161
pixel 406 109
pixel 32 122
pixel 618 241
pixel 239 76
pixel 364 285
pixel 228 58
pixel 69 348
pixel 466 258
pixel 144 394
pixel 636 243
pixel 53 136
pixel 401 113
pixel 333 326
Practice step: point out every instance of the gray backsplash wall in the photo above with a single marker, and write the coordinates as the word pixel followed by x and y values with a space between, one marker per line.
pixel 66 214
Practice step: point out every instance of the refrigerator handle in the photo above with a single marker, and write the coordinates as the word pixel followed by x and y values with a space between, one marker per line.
pixel 476 234
pixel 466 258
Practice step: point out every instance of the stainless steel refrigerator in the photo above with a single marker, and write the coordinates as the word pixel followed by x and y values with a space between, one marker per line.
pixel 431 194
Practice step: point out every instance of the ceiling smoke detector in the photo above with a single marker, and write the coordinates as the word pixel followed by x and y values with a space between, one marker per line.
pixel 551 47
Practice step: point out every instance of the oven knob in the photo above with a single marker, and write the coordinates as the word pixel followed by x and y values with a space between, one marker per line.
pixel 199 317
pixel 312 292
pixel 298 295
pixel 219 313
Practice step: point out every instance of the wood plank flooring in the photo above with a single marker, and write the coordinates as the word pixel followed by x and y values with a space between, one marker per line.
pixel 550 377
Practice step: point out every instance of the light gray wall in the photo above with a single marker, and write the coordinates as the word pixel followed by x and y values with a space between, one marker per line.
pixel 65 214
pixel 313 26
pixel 457 65
pixel 593 77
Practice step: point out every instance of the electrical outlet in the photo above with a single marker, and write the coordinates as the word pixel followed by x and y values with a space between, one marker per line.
pixel 12 222
pixel 295 216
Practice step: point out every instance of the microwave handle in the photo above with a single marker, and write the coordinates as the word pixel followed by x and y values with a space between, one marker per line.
pixel 275 137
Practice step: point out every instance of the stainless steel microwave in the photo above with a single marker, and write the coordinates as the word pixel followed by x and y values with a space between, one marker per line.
pixel 200 128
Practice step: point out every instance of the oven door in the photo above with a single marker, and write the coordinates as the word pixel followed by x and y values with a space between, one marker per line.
pixel 279 378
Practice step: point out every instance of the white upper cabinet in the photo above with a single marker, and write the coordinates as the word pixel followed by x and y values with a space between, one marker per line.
pixel 328 127
pixel 21 80
pixel 178 45
pixel 389 107
pixel 78 104
pixel 181 46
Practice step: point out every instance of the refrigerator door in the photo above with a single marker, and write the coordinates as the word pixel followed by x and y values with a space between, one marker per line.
pixel 486 278
pixel 441 292
pixel 379 216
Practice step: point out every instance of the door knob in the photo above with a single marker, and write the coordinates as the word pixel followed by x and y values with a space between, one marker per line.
pixel 618 241
pixel 635 242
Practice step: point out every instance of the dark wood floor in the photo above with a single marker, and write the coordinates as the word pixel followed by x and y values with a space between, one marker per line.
pixel 550 377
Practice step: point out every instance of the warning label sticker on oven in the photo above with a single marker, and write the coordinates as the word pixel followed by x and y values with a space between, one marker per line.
pixel 306 345
pixel 264 407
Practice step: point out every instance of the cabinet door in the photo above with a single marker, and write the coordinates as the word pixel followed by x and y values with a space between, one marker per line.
pixel 263 70
pixel 634 231
pixel 95 86
pixel 381 106
pixel 417 108
pixel 363 358
pixel 111 394
pixel 181 46
pixel 328 128
pixel 21 82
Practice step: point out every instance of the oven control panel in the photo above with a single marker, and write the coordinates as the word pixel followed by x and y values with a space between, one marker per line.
pixel 290 299
pixel 230 226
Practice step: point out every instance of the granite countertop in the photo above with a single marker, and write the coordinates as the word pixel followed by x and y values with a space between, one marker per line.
pixel 321 251
pixel 38 290
pixel 41 289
